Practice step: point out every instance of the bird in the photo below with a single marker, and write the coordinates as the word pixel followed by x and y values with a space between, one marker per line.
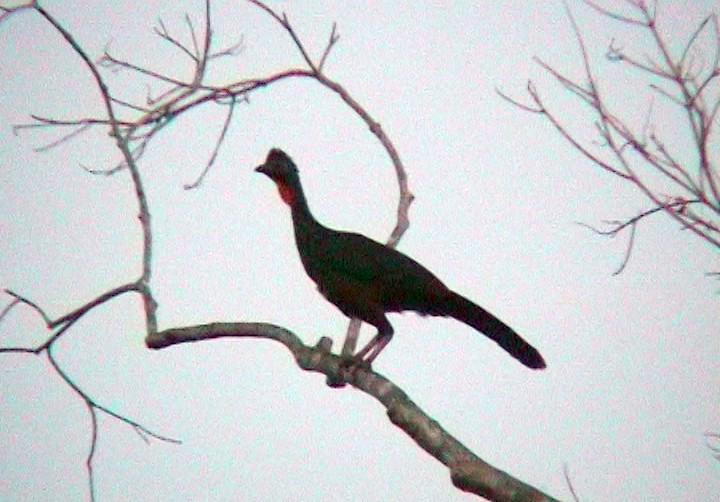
pixel 366 279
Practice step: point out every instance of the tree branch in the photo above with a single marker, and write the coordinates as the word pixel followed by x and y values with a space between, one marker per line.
pixel 467 471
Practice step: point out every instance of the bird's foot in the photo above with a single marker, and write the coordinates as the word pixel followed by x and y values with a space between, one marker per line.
pixel 351 364
pixel 348 366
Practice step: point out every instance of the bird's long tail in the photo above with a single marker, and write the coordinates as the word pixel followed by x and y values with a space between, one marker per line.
pixel 473 315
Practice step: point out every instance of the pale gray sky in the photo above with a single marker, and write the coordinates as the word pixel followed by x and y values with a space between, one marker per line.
pixel 633 360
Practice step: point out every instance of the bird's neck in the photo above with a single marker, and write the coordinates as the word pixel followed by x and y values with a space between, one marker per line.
pixel 292 193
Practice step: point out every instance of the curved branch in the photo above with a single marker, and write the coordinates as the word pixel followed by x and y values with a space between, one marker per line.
pixel 467 471
pixel 315 71
pixel 122 144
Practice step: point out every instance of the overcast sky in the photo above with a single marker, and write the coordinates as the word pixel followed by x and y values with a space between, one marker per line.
pixel 633 360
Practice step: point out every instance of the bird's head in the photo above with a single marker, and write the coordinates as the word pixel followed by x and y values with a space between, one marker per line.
pixel 280 168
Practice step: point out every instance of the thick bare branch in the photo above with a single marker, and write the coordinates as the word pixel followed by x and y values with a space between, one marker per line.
pixel 468 472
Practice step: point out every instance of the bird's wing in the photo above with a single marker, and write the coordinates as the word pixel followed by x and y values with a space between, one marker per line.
pixel 363 259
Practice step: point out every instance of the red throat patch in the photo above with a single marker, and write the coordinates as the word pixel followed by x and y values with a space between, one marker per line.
pixel 286 193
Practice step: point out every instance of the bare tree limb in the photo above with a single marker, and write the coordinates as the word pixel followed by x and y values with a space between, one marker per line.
pixel 66 321
pixel 467 471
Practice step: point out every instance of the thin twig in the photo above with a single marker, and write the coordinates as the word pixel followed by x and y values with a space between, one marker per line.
pixel 110 60
pixel 573 493
pixel 677 206
pixel 230 50
pixel 82 310
pixel 91 402
pixel 587 95
pixel 205 56
pixel 31 304
pixel 65 322
pixel 8 308
pixel 713 436
pixel 518 104
pixel 93 448
pixel 218 144
pixel 6 12
pixel 628 251
pixel 164 34
pixel 63 139
pixel 193 38
pixel 334 37
pixel 614 15
pixel 570 138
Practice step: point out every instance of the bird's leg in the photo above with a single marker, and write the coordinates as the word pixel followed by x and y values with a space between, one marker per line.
pixel 351 338
pixel 360 355
pixel 368 354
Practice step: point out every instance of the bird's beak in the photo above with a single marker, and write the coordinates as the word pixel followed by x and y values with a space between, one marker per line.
pixel 260 169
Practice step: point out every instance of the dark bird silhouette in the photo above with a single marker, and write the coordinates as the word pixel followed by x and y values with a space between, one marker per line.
pixel 366 279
